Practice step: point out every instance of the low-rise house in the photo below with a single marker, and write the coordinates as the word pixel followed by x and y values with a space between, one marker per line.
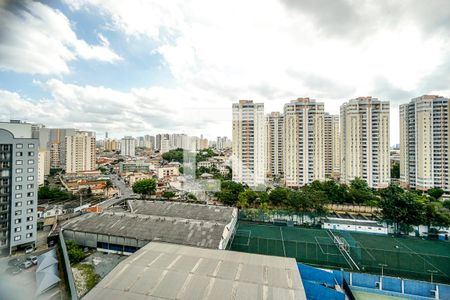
pixel 136 166
pixel 356 225
pixel 168 170
pixel 132 178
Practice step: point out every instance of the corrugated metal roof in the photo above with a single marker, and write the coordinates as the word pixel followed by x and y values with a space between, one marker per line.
pixel 168 271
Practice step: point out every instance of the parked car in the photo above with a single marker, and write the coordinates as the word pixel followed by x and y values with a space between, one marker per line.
pixel 33 259
pixel 26 264
pixel 29 249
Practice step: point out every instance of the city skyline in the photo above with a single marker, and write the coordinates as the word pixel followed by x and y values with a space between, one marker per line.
pixel 133 69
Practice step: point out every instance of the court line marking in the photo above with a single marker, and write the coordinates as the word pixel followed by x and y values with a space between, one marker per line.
pixel 425 260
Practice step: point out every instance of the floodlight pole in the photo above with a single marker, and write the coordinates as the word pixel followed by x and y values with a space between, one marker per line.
pixel 432 272
pixel 382 274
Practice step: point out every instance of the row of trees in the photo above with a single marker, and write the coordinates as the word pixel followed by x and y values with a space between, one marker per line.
pixel 176 155
pixel 401 207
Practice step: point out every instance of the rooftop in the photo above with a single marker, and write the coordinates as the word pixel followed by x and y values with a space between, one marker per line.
pixel 167 271
pixel 214 213
pixel 171 222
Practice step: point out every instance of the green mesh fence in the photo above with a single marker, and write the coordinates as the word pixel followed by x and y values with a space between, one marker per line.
pixel 404 257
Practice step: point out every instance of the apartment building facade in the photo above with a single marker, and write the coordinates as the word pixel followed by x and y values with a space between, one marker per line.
pixel 128 146
pixel 18 186
pixel 303 142
pixel 365 141
pixel 249 143
pixel 424 143
pixel 274 133
pixel 80 152
pixel 332 146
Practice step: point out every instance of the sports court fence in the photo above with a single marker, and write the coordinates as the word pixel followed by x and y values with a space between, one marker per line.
pixel 403 257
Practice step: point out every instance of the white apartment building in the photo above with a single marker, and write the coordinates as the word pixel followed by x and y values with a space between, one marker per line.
pixel 424 143
pixel 80 152
pixel 332 146
pixel 111 145
pixel 222 143
pixel 365 141
pixel 128 146
pixel 18 186
pixel 249 143
pixel 274 132
pixel 165 145
pixel 43 165
pixel 303 142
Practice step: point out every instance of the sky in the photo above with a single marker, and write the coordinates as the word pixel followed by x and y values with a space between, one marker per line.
pixel 145 67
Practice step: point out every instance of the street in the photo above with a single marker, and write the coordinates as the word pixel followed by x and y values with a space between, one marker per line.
pixel 124 192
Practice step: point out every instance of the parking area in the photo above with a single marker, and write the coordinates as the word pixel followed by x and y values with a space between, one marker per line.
pixel 18 281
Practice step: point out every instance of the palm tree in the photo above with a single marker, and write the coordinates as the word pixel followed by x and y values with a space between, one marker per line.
pixel 108 186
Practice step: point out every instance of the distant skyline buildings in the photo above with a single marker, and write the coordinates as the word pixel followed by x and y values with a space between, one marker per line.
pixel 311 144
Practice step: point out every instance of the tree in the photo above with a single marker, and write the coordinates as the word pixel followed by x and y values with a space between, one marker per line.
pixel 168 195
pixel 74 252
pixel 247 198
pixel 360 192
pixel 108 186
pixel 395 170
pixel 436 193
pixel 174 155
pixel 191 196
pixel 400 207
pixel 229 192
pixel 144 187
pixel 279 196
pixel 436 214
pixel 48 193
pixel 334 192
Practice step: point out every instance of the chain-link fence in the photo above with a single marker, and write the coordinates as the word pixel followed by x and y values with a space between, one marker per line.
pixel 405 257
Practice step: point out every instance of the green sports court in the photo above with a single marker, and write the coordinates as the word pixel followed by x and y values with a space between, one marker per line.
pixel 398 256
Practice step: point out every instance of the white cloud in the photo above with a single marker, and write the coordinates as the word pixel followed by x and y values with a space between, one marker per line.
pixel 97 108
pixel 271 51
pixel 37 39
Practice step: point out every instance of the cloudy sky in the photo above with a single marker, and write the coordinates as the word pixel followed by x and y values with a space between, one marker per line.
pixel 146 67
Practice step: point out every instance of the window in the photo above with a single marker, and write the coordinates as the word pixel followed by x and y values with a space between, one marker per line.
pixel 19 146
pixel 19 170
pixel 19 153
pixel 29 211
pixel 31 146
pixel 30 170
pixel 30 186
pixel 17 221
pixel 18 229
pixel 19 204
pixel 19 162
pixel 30 202
pixel 18 212
pixel 29 178
pixel 29 219
pixel 29 227
pixel 18 187
pixel 18 179
pixel 30 153
pixel 17 238
pixel 30 194
pixel 31 161
pixel 19 195
pixel 29 235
